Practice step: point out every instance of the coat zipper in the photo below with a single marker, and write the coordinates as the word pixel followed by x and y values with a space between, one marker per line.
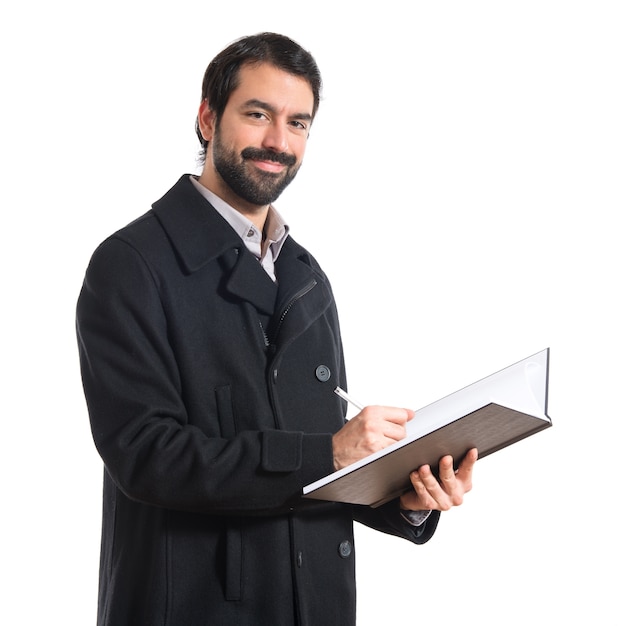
pixel 266 339
pixel 273 348
pixel 300 294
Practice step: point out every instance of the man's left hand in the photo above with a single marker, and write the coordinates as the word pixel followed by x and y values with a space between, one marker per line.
pixel 431 493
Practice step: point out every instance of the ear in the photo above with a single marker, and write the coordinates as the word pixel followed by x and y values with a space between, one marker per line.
pixel 206 121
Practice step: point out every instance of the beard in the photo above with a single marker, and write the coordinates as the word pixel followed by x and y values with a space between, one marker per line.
pixel 248 182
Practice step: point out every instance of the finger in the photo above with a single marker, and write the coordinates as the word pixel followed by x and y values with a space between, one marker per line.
pixel 447 475
pixel 390 414
pixel 398 416
pixel 394 431
pixel 467 464
pixel 429 480
pixel 434 492
pixel 423 498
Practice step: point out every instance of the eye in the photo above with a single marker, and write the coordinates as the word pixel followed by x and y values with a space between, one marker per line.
pixel 298 125
pixel 257 115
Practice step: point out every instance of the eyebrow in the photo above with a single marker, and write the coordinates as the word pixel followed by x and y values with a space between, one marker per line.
pixel 254 102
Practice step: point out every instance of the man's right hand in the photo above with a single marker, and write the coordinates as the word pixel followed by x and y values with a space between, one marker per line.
pixel 373 429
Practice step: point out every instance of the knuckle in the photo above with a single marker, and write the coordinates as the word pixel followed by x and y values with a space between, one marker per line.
pixel 457 499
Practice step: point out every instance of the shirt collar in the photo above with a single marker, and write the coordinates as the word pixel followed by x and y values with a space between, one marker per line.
pixel 276 229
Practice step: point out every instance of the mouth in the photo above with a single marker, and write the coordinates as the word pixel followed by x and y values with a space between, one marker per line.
pixel 272 167
pixel 266 161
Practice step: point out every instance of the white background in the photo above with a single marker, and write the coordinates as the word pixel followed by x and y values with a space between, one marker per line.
pixel 464 187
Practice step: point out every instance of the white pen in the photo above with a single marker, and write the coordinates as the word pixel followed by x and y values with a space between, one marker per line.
pixel 342 394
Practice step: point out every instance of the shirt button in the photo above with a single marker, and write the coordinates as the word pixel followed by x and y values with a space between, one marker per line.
pixel 251 232
pixel 299 559
pixel 345 549
pixel 322 373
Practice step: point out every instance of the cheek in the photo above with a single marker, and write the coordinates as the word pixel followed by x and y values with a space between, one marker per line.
pixel 298 148
pixel 243 137
pixel 249 137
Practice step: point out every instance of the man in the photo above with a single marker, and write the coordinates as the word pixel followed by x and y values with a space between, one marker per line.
pixel 210 349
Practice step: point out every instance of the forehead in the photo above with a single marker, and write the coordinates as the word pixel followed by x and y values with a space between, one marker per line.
pixel 264 82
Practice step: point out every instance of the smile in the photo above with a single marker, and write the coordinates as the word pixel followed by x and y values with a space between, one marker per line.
pixel 268 166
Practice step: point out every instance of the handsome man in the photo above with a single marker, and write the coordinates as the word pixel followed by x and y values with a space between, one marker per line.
pixel 210 348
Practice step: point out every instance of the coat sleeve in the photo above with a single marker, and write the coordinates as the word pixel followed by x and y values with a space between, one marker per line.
pixel 134 395
pixel 387 519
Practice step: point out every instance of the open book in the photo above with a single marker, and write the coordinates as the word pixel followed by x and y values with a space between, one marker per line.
pixel 491 414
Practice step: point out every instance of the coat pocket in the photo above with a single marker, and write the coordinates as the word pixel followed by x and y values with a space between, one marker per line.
pixel 226 415
pixel 234 562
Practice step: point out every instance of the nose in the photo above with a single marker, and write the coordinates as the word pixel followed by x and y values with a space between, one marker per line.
pixel 276 138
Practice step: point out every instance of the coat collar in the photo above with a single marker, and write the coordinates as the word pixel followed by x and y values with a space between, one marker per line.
pixel 197 231
pixel 199 234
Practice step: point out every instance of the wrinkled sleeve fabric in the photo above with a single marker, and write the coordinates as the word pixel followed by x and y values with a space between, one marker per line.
pixel 388 519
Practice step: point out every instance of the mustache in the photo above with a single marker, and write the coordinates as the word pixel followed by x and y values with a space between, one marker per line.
pixel 258 154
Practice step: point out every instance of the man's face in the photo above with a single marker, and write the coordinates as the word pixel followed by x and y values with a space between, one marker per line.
pixel 258 144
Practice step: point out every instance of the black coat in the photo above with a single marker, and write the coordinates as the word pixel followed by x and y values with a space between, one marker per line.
pixel 210 410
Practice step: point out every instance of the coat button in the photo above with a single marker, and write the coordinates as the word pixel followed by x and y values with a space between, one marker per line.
pixel 345 549
pixel 322 373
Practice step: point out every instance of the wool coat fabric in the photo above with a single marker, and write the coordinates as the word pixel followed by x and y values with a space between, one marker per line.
pixel 210 395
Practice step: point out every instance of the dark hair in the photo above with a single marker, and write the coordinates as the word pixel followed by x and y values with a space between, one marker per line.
pixel 222 75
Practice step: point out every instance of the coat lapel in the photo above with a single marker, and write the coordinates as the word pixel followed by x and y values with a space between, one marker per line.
pixel 250 282
pixel 199 235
